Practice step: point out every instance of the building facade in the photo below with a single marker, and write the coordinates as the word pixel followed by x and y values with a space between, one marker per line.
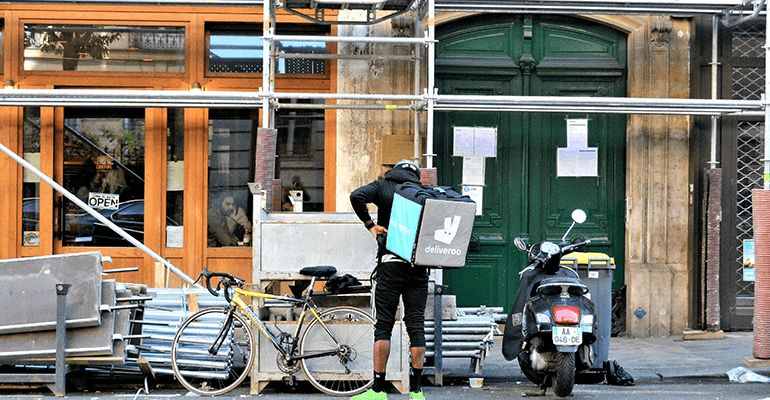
pixel 171 176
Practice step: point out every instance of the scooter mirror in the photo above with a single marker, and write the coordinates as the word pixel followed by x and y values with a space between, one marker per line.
pixel 579 216
pixel 519 242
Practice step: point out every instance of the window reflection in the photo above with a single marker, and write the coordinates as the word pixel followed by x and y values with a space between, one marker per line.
pixel 175 178
pixel 104 167
pixel 300 150
pixel 156 49
pixel 30 207
pixel 232 141
pixel 238 49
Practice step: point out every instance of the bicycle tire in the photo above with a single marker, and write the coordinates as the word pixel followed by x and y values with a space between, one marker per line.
pixel 347 373
pixel 209 374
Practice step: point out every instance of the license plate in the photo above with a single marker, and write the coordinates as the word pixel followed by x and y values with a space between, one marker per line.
pixel 567 336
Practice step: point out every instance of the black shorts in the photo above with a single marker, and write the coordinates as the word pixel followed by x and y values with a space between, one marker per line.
pixel 396 280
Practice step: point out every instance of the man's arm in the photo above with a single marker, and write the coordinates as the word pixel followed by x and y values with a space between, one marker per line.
pixel 219 231
pixel 359 199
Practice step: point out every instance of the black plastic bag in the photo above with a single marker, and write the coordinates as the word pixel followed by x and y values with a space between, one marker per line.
pixel 616 375
pixel 341 283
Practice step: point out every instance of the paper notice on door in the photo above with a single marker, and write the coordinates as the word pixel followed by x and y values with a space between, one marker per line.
pixel 577 162
pixel 577 133
pixel 473 170
pixel 464 138
pixel 476 193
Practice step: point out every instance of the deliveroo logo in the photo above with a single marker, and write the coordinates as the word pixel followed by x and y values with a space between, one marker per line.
pixel 447 235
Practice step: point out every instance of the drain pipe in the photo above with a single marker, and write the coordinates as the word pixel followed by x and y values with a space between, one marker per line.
pixel 66 193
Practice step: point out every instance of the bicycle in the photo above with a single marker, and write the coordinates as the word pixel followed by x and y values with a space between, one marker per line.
pixel 213 350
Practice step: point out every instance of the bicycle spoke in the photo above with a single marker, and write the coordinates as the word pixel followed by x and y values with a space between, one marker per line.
pixel 348 371
pixel 209 374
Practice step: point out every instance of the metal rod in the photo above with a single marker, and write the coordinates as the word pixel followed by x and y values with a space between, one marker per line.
pixel 351 39
pixel 266 11
pixel 66 193
pixel 679 7
pixel 347 96
pixel 320 56
pixel 714 92
pixel 127 98
pixel 392 107
pixel 432 91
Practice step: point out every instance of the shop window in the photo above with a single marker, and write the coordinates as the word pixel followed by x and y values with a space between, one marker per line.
pixel 237 48
pixel 175 178
pixel 30 190
pixel 300 150
pixel 104 164
pixel 104 48
pixel 232 141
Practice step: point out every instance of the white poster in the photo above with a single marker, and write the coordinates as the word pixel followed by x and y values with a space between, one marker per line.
pixel 577 133
pixel 473 170
pixel 577 162
pixel 485 142
pixel 463 136
pixel 472 141
pixel 476 193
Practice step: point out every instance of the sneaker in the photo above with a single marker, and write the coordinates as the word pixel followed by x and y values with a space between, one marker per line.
pixel 371 395
pixel 416 395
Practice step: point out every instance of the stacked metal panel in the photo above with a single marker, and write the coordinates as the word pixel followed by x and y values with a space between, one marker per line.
pixel 470 336
pixel 97 313
pixel 162 317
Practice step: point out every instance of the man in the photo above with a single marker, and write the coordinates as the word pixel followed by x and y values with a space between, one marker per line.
pixel 226 222
pixel 394 278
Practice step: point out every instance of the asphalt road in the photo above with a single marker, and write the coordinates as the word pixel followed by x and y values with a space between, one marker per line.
pixel 708 388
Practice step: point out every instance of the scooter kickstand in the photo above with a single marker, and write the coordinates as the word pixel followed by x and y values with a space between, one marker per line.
pixel 543 387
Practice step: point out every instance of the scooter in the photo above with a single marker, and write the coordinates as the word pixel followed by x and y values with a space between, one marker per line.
pixel 552 322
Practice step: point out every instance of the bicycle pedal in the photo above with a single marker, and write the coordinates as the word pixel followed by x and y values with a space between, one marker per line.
pixel 290 380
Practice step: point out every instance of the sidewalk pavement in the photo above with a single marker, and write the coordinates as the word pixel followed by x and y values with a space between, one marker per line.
pixel 647 360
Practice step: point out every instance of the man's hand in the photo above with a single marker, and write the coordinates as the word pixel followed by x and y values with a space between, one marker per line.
pixel 376 230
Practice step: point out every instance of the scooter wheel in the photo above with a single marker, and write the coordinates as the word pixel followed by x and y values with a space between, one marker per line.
pixel 565 374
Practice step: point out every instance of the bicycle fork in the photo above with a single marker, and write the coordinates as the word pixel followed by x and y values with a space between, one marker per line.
pixel 220 340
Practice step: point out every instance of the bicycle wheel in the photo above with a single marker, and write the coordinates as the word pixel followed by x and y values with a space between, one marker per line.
pixel 209 374
pixel 350 369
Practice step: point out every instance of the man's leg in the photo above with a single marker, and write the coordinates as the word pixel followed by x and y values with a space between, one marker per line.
pixel 418 356
pixel 386 297
pixel 381 355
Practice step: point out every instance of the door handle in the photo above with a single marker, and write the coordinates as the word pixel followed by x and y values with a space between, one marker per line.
pixel 59 205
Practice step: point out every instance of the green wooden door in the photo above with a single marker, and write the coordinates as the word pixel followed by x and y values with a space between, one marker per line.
pixel 523 193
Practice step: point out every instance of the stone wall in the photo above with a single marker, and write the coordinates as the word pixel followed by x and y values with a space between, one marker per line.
pixel 659 266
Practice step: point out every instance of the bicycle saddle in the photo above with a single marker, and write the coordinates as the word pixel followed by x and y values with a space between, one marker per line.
pixel 321 271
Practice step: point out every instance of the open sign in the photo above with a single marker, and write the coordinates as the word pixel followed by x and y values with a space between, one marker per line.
pixel 104 200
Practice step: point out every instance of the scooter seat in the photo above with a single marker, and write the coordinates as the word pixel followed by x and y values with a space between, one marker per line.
pixel 556 285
